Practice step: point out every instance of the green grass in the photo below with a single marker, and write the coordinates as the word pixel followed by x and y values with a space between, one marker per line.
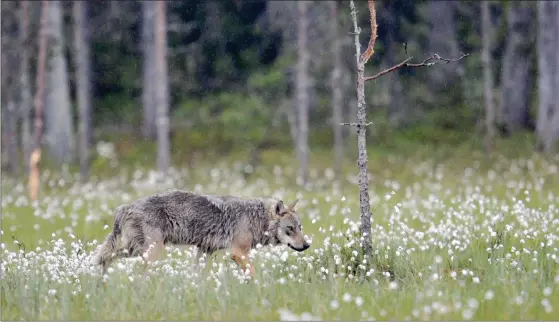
pixel 455 236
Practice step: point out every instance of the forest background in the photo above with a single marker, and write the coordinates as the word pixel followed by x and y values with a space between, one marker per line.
pixel 244 77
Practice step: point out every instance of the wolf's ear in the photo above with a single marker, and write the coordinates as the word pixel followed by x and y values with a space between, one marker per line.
pixel 292 206
pixel 279 208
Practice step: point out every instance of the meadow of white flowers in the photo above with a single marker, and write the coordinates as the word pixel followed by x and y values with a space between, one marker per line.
pixel 449 243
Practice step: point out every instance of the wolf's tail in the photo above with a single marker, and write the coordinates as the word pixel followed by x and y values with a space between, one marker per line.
pixel 107 252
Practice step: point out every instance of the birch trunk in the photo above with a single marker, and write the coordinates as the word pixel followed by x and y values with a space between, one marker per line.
pixel 58 114
pixel 302 90
pixel 548 81
pixel 161 88
pixel 442 40
pixel 9 63
pixel 486 38
pixel 516 78
pixel 83 85
pixel 10 139
pixel 25 87
pixel 336 90
pixel 33 183
pixel 148 85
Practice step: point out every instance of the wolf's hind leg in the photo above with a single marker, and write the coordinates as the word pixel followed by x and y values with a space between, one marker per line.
pixel 153 245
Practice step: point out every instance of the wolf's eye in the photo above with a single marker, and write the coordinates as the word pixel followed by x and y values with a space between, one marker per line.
pixel 289 230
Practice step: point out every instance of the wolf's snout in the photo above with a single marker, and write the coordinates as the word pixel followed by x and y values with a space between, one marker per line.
pixel 300 248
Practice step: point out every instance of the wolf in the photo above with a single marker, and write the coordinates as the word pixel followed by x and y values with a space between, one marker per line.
pixel 209 222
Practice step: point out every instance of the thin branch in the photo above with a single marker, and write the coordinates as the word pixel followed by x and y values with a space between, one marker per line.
pixel 357 124
pixel 430 61
pixel 371 46
pixel 391 69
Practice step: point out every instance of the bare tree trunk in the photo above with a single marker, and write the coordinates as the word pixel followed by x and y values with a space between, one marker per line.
pixel 362 160
pixel 548 81
pixel 516 77
pixel 35 156
pixel 25 87
pixel 302 89
pixel 58 116
pixel 148 87
pixel 336 90
pixel 486 37
pixel 83 85
pixel 161 88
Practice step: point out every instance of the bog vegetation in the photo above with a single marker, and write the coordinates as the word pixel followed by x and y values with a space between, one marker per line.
pixel 462 238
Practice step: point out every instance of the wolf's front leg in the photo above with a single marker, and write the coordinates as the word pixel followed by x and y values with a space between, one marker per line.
pixel 241 258
pixel 239 252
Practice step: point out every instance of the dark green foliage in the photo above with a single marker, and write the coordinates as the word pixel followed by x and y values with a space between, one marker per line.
pixel 228 71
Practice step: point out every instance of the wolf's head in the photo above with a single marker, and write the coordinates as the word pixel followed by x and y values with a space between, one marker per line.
pixel 289 227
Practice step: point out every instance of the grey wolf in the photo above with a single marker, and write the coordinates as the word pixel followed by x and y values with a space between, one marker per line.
pixel 209 222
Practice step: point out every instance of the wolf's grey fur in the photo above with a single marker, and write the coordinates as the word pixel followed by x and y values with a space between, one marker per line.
pixel 209 222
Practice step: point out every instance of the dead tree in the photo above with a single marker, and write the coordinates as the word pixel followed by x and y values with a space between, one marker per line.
pixel 361 124
pixel 35 157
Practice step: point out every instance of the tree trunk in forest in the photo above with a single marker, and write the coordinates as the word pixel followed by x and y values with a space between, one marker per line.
pixel 83 82
pixel 24 85
pixel 9 70
pixel 487 38
pixel 442 39
pixel 148 58
pixel 35 156
pixel 9 113
pixel 516 77
pixel 302 90
pixel 397 107
pixel 9 118
pixel 58 114
pixel 547 126
pixel 336 85
pixel 161 88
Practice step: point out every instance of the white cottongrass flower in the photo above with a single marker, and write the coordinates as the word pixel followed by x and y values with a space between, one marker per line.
pixel 468 314
pixel 287 315
pixel 358 301
pixel 334 305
